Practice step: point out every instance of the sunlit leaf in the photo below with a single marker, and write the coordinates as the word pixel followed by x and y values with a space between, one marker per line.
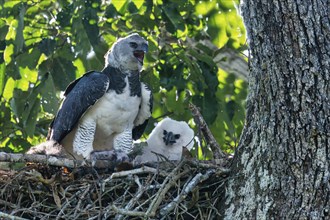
pixel 9 88
pixel 2 77
pixel 8 53
pixel 204 7
pixel 226 5
pixel 217 29
pixel 138 3
pixel 11 3
pixel 120 5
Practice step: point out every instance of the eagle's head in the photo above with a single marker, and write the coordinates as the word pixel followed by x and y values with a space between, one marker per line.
pixel 127 53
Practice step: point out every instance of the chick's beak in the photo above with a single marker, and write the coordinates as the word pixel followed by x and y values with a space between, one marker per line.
pixel 169 138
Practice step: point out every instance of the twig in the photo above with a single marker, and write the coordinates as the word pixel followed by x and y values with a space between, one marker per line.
pixel 5 203
pixel 140 170
pixel 188 188
pixel 7 216
pixel 215 147
pixel 134 199
pixel 166 185
pixel 38 158
pixel 210 164
pixel 67 203
pixel 127 212
pixel 81 198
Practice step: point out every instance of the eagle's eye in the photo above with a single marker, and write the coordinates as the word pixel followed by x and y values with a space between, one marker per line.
pixel 133 45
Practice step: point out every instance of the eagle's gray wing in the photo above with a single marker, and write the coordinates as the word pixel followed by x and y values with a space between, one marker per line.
pixel 138 130
pixel 79 96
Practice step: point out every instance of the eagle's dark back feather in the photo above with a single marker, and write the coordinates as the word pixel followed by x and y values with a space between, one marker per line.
pixel 79 96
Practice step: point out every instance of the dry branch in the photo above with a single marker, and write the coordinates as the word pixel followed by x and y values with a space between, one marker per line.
pixel 215 147
pixel 38 158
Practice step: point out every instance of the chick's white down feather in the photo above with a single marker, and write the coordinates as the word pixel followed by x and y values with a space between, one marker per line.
pixel 157 145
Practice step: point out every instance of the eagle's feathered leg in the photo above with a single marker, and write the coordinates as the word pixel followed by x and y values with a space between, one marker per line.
pixel 123 141
pixel 122 147
pixel 83 140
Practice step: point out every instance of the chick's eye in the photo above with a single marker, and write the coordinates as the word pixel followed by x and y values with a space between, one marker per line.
pixel 133 45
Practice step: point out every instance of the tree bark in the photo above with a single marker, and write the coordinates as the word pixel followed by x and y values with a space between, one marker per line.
pixel 281 167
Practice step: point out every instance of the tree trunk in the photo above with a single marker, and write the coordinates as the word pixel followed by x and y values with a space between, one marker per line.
pixel 281 167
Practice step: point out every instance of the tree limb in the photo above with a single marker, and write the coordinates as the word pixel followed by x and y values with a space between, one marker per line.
pixel 215 147
pixel 38 158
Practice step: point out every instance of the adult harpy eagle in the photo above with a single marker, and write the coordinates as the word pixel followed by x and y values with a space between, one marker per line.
pixel 167 139
pixel 105 110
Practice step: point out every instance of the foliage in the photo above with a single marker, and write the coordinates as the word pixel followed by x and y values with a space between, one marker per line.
pixel 45 44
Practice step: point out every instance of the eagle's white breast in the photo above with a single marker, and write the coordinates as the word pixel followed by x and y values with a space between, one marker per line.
pixel 113 113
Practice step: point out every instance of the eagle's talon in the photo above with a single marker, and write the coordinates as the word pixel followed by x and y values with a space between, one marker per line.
pixel 108 158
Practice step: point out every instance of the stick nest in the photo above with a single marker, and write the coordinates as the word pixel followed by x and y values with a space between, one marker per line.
pixel 167 190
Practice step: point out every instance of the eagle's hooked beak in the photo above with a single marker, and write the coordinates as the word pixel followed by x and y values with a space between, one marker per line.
pixel 170 138
pixel 140 51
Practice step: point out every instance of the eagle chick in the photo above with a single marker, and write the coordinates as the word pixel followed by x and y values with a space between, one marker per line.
pixel 167 139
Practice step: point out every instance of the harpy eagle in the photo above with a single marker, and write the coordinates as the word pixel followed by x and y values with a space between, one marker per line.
pixel 105 110
pixel 167 139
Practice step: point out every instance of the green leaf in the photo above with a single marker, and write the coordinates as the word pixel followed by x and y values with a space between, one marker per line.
pixel 205 7
pixel 175 19
pixel 31 120
pixel 63 72
pixel 49 100
pixel 120 5
pixel 9 89
pixel 2 77
pixel 8 53
pixel 202 57
pixel 216 29
pixel 11 3
pixel 138 3
pixel 226 5
pixel 19 39
pixel 3 31
pixel 29 59
pixel 172 101
pixel 47 46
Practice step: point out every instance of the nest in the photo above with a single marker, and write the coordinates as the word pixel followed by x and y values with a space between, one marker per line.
pixel 184 190
pixel 60 188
